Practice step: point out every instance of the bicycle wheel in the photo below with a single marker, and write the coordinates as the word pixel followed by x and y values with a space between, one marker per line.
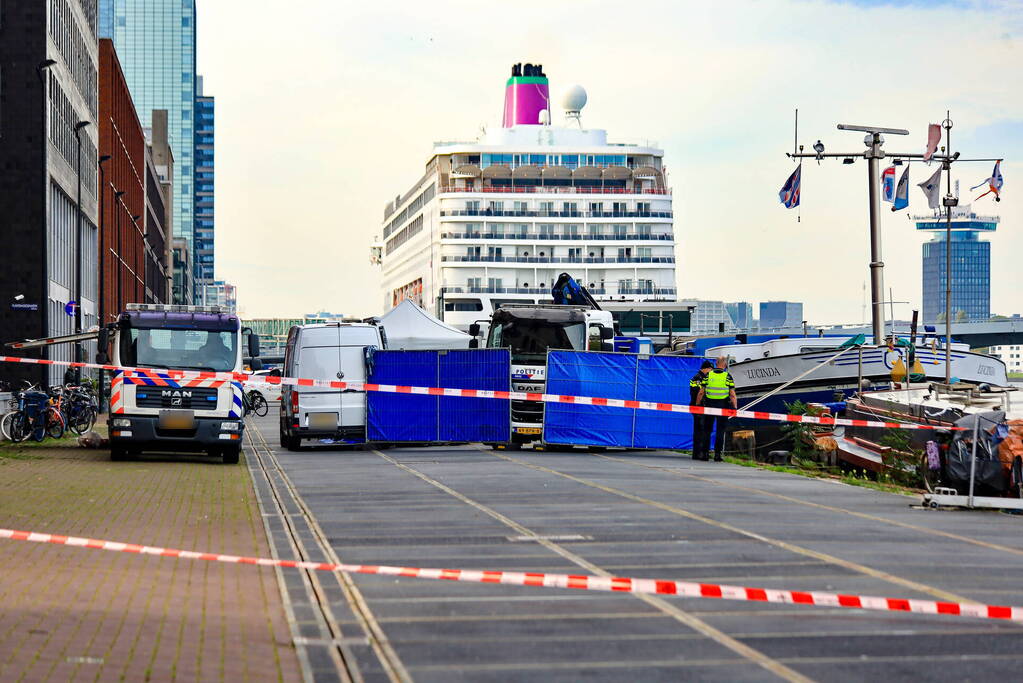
pixel 259 406
pixel 5 426
pixel 55 424
pixel 19 428
pixel 81 419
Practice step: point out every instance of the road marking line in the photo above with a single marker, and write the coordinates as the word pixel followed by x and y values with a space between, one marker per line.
pixel 853 566
pixel 863 515
pixel 679 615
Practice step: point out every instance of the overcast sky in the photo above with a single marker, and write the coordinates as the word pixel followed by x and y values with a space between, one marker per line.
pixel 326 109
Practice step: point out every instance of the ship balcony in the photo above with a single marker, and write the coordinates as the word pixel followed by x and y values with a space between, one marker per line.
pixel 575 237
pixel 558 259
pixel 665 292
pixel 554 189
pixel 545 213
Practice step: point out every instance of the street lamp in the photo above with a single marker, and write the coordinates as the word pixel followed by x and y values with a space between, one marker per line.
pixel 102 241
pixel 79 127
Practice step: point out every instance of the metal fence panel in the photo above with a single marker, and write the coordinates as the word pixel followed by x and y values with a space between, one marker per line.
pixel 418 418
pixel 664 379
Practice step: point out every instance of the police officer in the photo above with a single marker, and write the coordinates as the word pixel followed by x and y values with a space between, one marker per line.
pixel 700 450
pixel 718 391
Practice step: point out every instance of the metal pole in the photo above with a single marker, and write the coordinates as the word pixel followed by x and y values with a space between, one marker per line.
pixel 947 123
pixel 973 457
pixel 100 307
pixel 874 153
pixel 859 371
pixel 78 251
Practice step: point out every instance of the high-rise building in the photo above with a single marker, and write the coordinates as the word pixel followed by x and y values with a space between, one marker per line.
pixel 1010 354
pixel 971 265
pixel 497 219
pixel 159 209
pixel 183 280
pixel 48 131
pixel 203 212
pixel 710 317
pixel 122 190
pixel 741 313
pixel 221 294
pixel 155 40
pixel 775 314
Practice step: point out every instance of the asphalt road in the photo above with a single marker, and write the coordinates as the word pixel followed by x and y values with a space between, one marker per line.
pixel 640 514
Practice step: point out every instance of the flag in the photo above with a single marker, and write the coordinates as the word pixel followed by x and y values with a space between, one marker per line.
pixel 902 191
pixel 932 188
pixel 888 184
pixel 789 194
pixel 994 183
pixel 933 138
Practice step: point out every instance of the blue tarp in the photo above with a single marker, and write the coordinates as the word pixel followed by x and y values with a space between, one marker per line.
pixel 664 379
pixel 417 418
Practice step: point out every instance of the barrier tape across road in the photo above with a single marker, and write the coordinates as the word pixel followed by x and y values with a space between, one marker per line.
pixel 155 373
pixel 582 582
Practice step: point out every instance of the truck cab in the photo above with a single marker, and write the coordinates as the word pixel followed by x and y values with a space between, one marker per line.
pixel 329 351
pixel 153 411
pixel 529 332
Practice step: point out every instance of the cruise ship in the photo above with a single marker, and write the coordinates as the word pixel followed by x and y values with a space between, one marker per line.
pixel 496 220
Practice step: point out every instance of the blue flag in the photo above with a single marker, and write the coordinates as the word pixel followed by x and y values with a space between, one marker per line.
pixel 789 194
pixel 902 191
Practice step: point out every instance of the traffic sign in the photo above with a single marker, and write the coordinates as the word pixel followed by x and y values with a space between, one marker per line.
pixel 70 307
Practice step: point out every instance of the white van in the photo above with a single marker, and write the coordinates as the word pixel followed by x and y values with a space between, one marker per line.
pixel 329 351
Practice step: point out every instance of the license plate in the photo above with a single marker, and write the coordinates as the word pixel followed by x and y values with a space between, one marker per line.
pixel 324 421
pixel 529 430
pixel 177 419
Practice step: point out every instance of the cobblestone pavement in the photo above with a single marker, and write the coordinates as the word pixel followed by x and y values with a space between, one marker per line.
pixel 75 614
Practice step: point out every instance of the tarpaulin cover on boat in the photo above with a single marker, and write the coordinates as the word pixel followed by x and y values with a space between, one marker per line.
pixel 663 379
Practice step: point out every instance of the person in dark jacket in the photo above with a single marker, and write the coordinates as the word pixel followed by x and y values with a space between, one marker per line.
pixel 700 451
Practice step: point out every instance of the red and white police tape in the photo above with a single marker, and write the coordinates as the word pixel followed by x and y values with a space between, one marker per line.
pixel 583 582
pixel 156 373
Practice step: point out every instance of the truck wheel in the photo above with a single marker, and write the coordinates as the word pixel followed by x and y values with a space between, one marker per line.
pixel 293 443
pixel 230 455
pixel 118 453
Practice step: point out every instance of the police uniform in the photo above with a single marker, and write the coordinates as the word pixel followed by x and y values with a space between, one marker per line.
pixel 716 391
pixel 699 421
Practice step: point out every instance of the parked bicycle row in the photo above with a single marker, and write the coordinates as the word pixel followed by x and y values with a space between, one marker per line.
pixel 34 413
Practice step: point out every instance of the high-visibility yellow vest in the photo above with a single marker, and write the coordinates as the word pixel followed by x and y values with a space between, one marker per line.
pixel 718 384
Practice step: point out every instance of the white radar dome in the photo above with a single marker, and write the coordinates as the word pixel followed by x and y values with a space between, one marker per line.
pixel 574 99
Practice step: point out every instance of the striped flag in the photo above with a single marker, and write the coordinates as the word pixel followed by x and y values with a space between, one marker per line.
pixel 789 194
pixel 902 191
pixel 994 183
pixel 888 184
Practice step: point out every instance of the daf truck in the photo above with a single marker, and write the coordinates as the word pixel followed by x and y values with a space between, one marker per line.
pixel 574 322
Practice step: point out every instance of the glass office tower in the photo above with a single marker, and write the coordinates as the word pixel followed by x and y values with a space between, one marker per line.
pixel 971 265
pixel 204 160
pixel 155 41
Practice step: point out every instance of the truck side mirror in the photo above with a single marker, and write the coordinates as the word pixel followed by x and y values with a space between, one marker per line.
pixel 607 346
pixel 474 343
pixel 606 333
pixel 253 345
pixel 255 364
pixel 474 330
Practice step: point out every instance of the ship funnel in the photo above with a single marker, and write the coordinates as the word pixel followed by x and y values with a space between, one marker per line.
pixel 526 97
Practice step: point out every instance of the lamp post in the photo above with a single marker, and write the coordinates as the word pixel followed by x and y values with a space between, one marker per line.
pixel 41 68
pixel 120 261
pixel 101 308
pixel 78 251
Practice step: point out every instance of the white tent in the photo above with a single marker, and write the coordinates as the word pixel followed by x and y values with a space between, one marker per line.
pixel 407 326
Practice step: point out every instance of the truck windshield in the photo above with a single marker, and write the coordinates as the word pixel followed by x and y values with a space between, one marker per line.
pixel 179 349
pixel 535 337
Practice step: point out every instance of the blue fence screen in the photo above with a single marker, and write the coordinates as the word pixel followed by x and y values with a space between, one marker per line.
pixel 418 418
pixel 664 379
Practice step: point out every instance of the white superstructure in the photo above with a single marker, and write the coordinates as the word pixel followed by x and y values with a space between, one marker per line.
pixel 498 219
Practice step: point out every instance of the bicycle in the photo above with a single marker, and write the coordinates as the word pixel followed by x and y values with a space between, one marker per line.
pixel 253 401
